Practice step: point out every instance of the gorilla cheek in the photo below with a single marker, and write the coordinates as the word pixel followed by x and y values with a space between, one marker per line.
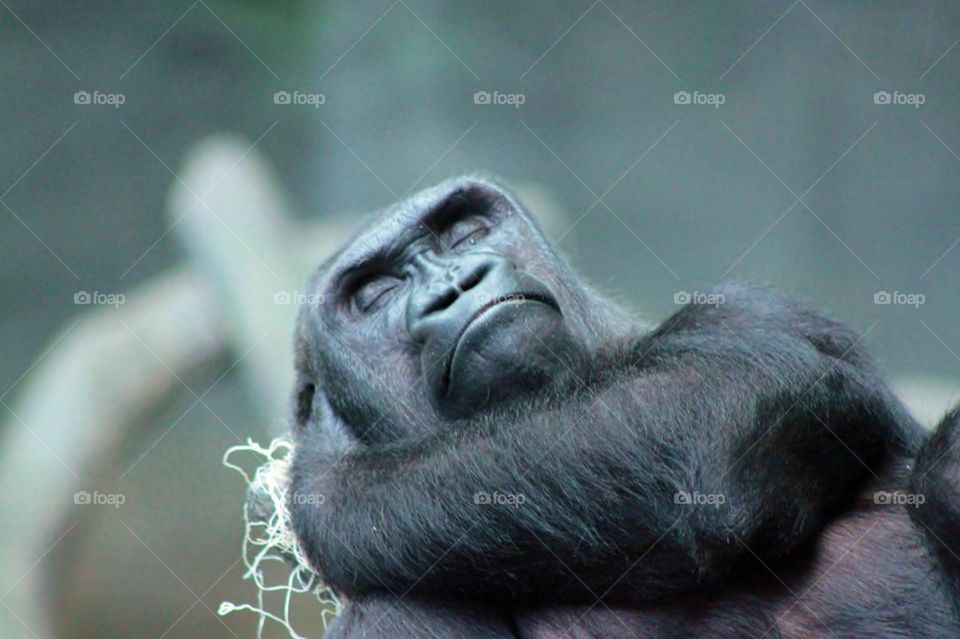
pixel 512 348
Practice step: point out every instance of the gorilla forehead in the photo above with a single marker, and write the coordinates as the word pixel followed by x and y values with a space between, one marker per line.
pixel 388 232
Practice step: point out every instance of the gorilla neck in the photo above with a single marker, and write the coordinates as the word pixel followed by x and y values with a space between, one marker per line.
pixel 580 372
pixel 403 422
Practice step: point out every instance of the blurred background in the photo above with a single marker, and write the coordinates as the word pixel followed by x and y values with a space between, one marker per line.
pixel 170 172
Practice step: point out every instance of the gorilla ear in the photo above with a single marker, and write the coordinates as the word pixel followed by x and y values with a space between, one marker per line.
pixel 328 434
pixel 304 401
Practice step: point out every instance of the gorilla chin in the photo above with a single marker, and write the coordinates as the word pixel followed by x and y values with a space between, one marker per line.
pixel 511 345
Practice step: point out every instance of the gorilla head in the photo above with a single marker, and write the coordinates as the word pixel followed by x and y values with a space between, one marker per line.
pixel 456 295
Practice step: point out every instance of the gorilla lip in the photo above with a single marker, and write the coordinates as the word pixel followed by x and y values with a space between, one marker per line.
pixel 508 298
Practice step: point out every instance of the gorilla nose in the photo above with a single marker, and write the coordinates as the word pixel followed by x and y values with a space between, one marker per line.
pixel 442 283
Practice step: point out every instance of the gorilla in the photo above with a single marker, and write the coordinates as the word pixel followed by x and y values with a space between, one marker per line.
pixel 503 452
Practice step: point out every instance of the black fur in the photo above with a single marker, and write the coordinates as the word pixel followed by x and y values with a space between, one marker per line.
pixel 757 399
pixel 937 478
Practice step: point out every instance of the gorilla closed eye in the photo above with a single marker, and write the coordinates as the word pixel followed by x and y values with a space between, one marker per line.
pixel 371 290
pixel 461 206
pixel 469 229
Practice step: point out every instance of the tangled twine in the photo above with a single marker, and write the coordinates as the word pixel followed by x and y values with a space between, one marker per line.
pixel 273 540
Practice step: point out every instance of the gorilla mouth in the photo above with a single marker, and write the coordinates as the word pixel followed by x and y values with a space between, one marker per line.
pixel 509 298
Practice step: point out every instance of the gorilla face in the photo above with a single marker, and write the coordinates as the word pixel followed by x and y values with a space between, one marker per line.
pixel 485 329
pixel 449 302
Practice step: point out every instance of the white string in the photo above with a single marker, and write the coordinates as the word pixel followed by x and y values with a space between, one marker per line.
pixel 274 540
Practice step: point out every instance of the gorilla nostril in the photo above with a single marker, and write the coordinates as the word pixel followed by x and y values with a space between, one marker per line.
pixel 475 277
pixel 455 287
pixel 441 301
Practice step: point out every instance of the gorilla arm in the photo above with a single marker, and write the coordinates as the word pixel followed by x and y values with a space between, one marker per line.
pixel 725 430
